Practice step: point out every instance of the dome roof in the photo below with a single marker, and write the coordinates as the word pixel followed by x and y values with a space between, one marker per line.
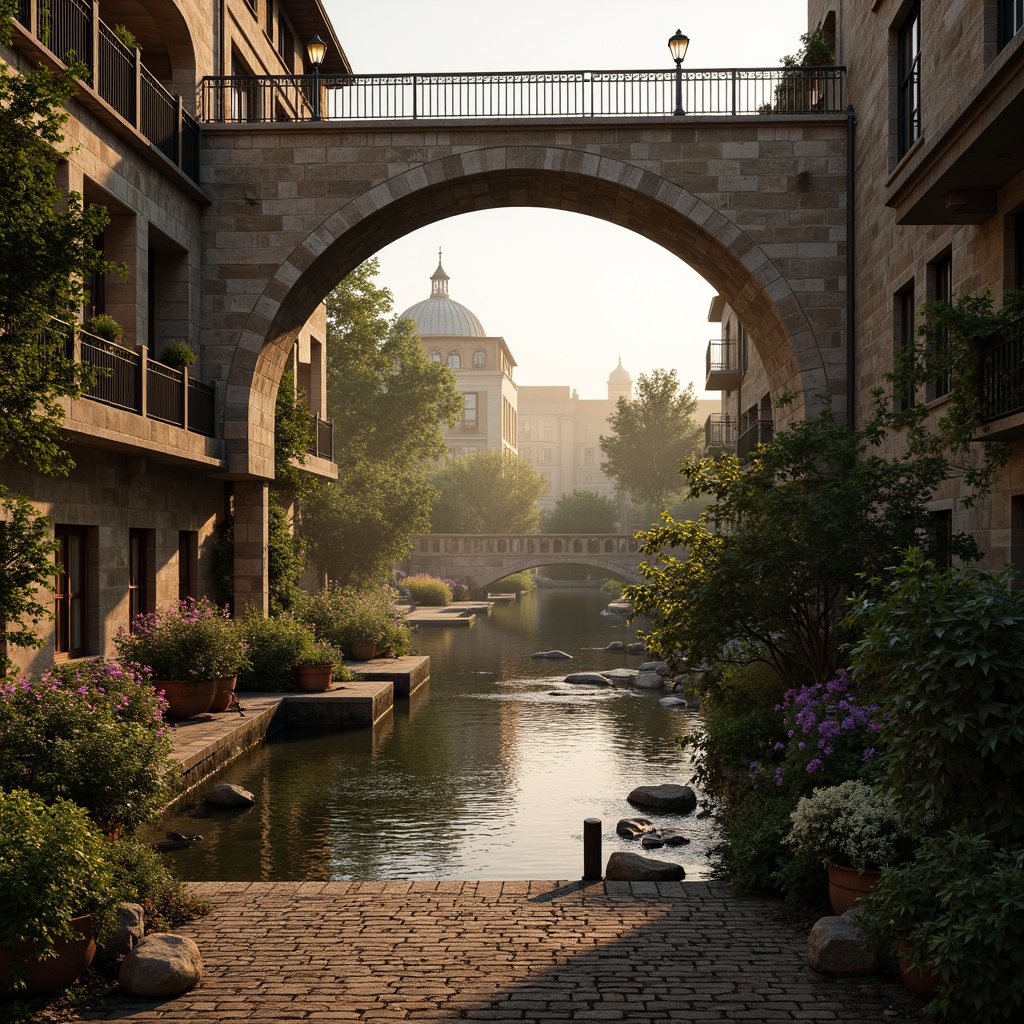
pixel 620 375
pixel 440 315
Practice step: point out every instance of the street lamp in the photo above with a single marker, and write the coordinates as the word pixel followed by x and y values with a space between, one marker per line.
pixel 677 45
pixel 316 50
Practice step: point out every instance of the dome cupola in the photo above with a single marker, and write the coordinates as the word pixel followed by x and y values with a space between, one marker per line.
pixel 441 316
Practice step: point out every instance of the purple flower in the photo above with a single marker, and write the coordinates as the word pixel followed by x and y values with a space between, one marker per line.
pixel 814 766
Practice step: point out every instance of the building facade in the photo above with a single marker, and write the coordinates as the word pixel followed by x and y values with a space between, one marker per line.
pixel 137 516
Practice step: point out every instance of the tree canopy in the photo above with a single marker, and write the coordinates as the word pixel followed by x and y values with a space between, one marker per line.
pixel 651 437
pixel 487 492
pixel 581 512
pixel 389 404
pixel 46 251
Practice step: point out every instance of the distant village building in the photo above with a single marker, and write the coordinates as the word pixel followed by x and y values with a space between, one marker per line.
pixel 452 334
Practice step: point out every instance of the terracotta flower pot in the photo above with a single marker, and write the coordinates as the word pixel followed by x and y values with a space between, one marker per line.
pixel 71 962
pixel 363 650
pixel 921 983
pixel 225 688
pixel 187 698
pixel 847 885
pixel 314 678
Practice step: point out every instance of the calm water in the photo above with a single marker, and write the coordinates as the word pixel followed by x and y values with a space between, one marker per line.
pixel 486 773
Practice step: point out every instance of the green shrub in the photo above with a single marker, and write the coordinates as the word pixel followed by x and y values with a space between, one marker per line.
pixel 275 646
pixel 517 582
pixel 105 327
pixel 342 617
pixel 93 733
pixel 428 590
pixel 177 354
pixel 957 910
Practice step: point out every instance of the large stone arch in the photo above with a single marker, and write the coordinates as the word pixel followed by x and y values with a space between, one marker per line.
pixel 482 577
pixel 545 176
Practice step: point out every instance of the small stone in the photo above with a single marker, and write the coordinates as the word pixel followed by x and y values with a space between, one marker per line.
pixel 664 798
pixel 632 867
pixel 586 678
pixel 652 666
pixel 161 966
pixel 837 947
pixel 552 655
pixel 131 926
pixel 649 681
pixel 630 828
pixel 616 645
pixel 224 794
pixel 673 702
pixel 651 842
pixel 637 647
pixel 674 838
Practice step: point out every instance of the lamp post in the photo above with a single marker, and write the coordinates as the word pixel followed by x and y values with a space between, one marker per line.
pixel 316 50
pixel 677 45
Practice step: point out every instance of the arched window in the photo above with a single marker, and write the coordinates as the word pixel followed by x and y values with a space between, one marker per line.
pixel 454 361
pixel 435 356
pixel 479 359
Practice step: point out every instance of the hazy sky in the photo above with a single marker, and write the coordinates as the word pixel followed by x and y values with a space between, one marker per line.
pixel 568 293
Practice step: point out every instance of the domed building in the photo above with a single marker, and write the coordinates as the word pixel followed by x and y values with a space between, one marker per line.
pixel 483 365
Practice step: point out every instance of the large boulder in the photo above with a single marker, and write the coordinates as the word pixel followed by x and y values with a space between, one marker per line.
pixel 649 681
pixel 836 946
pixel 673 702
pixel 586 678
pixel 664 798
pixel 224 794
pixel 161 967
pixel 632 867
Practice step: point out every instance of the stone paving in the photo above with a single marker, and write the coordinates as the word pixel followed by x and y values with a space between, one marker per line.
pixel 506 951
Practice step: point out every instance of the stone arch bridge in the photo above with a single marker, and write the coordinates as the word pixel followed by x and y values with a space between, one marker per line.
pixel 478 560
pixel 309 177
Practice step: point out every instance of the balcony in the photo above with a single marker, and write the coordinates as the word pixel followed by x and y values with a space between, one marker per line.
pixel 321 442
pixel 719 435
pixel 117 75
pixel 759 432
pixel 1002 385
pixel 723 366
pixel 127 379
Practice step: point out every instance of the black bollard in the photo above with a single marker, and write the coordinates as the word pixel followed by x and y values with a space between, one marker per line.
pixel 591 849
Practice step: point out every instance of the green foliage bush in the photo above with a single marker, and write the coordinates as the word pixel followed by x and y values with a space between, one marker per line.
pixel 428 590
pixel 517 583
pixel 343 617
pixel 958 911
pixel 275 646
pixel 177 354
pixel 105 327
pixel 90 732
pixel 54 866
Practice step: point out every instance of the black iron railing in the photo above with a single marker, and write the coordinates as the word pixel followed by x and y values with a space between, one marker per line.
pixel 165 393
pixel 759 432
pixel 1002 375
pixel 321 441
pixel 117 75
pixel 119 380
pixel 719 434
pixel 536 94
pixel 201 407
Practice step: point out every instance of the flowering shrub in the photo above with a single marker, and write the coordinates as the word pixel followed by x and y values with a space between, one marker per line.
pixel 343 617
pixel 848 825
pixel 191 640
pixel 92 733
pixel 829 735
pixel 428 590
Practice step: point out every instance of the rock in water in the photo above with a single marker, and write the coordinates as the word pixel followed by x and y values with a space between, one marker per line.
pixel 161 966
pixel 673 702
pixel 224 794
pixel 632 867
pixel 649 681
pixel 664 798
pixel 652 842
pixel 588 678
pixel 633 827
pixel 553 655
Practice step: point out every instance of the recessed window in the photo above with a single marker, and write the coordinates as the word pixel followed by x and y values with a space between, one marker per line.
pixel 469 420
pixel 1010 20
pixel 188 557
pixel 70 591
pixel 942 291
pixel 479 359
pixel 909 80
pixel 904 342
pixel 454 361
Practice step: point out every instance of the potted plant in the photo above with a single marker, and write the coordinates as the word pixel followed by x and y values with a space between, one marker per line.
pixel 188 647
pixel 349 619
pixel 854 833
pixel 106 327
pixel 315 666
pixel 56 891
pixel 178 354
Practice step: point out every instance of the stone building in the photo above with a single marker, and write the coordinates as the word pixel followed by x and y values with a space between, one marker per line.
pixel 137 516
pixel 483 365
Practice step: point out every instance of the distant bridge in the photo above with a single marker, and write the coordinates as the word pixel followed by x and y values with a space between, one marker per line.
pixel 479 560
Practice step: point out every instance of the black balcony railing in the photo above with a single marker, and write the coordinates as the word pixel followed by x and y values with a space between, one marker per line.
pixel 1002 375
pixel 533 94
pixel 117 76
pixel 321 442
pixel 119 378
pixel 201 407
pixel 758 432
pixel 719 434
pixel 165 391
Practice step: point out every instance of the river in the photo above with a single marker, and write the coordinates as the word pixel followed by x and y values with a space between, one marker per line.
pixel 487 772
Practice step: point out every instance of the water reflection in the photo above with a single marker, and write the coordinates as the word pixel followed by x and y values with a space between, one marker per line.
pixel 487 772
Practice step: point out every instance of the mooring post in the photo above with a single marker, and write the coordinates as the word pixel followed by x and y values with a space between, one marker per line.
pixel 591 849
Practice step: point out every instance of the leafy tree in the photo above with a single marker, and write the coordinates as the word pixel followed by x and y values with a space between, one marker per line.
pixel 46 251
pixel 389 404
pixel 487 492
pixel 581 512
pixel 293 432
pixel 651 437
pixel 771 562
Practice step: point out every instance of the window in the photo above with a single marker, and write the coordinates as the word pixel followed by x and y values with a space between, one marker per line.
pixel 454 361
pixel 909 80
pixel 1017 540
pixel 942 291
pixel 138 575
pixel 545 430
pixel 70 592
pixel 479 359
pixel 1009 21
pixel 527 426
pixel 285 43
pixel 435 356
pixel 588 456
pixel 469 414
pixel 188 552
pixel 1018 248
pixel 940 536
pixel 545 456
pixel 904 341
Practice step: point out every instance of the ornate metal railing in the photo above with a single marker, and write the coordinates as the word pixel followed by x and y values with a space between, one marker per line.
pixel 117 75
pixel 165 393
pixel 534 94
pixel 719 434
pixel 1002 375
pixel 119 382
pixel 321 441
pixel 526 544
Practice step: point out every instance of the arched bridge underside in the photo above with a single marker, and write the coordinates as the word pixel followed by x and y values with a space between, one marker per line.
pixel 756 205
pixel 478 560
